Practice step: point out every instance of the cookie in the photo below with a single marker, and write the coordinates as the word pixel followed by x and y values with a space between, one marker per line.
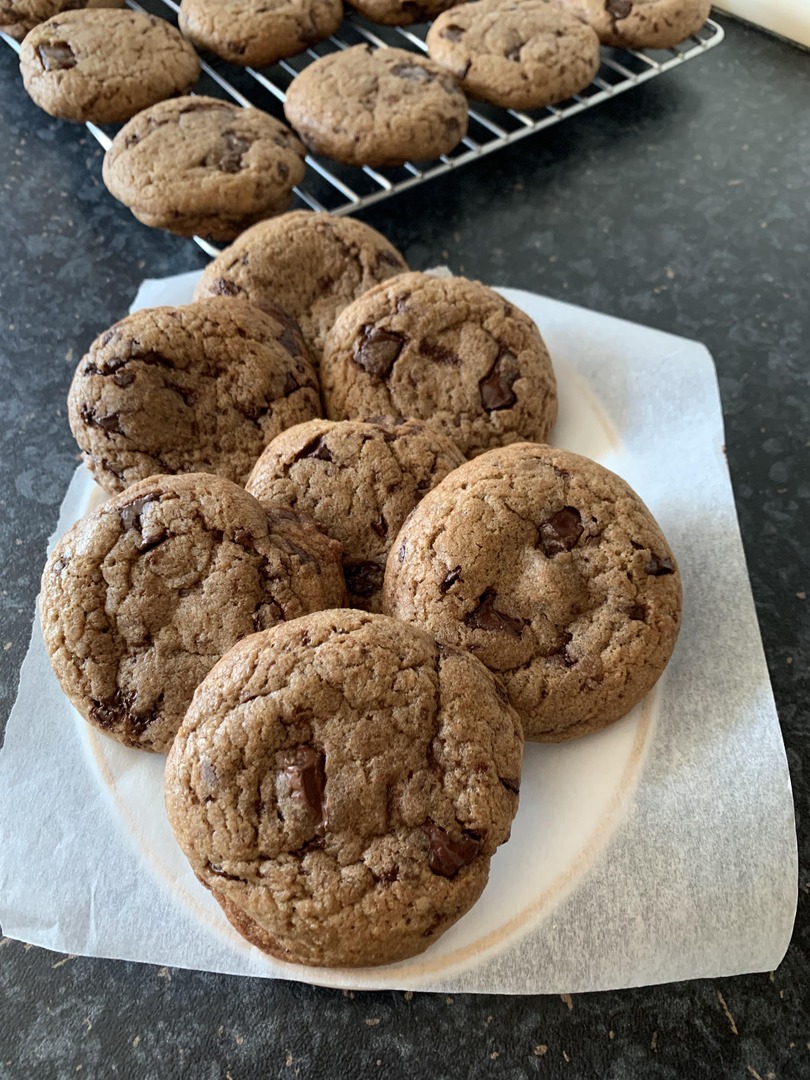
pixel 313 265
pixel 519 54
pixel 400 12
pixel 142 597
pixel 105 66
pixel 369 106
pixel 641 24
pixel 200 166
pixel 255 32
pixel 17 17
pixel 445 350
pixel 200 388
pixel 359 481
pixel 340 784
pixel 553 572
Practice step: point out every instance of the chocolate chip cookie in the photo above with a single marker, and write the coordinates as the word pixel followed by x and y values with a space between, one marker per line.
pixel 200 166
pixel 313 265
pixel 551 570
pixel 201 388
pixel 519 54
pixel 142 597
pixel 258 32
pixel 641 24
pixel 17 17
pixel 105 66
pixel 445 350
pixel 400 12
pixel 359 481
pixel 340 784
pixel 369 106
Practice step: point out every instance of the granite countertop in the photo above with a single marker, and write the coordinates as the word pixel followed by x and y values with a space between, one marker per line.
pixel 682 205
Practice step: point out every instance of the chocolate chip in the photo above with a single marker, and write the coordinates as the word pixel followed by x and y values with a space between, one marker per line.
pixel 450 578
pixel 305 773
pixel 510 785
pixel 618 9
pixel 363 579
pixel 496 387
pixel 380 527
pixel 58 56
pixel 154 359
pixel 658 567
pixel 487 617
pixel 447 854
pixel 123 378
pixel 412 72
pixel 130 514
pixel 561 532
pixel 637 613
pixel 453 32
pixel 244 538
pixel 315 448
pixel 221 287
pixel 378 350
pixel 229 160
pixel 118 709
pixel 388 876
pixel 187 396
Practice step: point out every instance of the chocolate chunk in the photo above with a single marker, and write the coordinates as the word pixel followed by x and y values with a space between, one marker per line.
pixel 412 72
pixel 244 538
pixel 229 160
pixel 658 567
pixel 58 56
pixel 131 513
pixel 637 613
pixel 447 854
pixel 118 709
pixel 363 579
pixel 496 387
pixel 453 32
pixel 618 9
pixel 221 287
pixel 306 777
pixel 378 350
pixel 434 351
pixel 450 578
pixel 154 359
pixel 315 448
pixel 561 532
pixel 380 527
pixel 123 378
pixel 510 784
pixel 487 617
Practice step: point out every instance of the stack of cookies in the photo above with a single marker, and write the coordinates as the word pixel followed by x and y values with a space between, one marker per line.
pixel 198 165
pixel 340 577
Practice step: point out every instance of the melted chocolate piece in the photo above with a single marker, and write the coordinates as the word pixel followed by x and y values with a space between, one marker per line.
pixel 450 578
pixel 57 56
pixel 447 854
pixel 510 784
pixel 363 579
pixel 244 538
pixel 637 613
pixel 487 617
pixel 659 567
pixel 378 350
pixel 118 709
pixel 561 532
pixel 618 9
pixel 496 387
pixel 230 161
pixel 304 769
pixel 131 513
pixel 453 32
pixel 412 72
pixel 315 448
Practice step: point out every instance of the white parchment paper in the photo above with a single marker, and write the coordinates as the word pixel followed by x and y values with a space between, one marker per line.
pixel 660 849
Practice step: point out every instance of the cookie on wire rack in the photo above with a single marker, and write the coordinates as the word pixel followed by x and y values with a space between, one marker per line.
pixel 17 17
pixel 641 24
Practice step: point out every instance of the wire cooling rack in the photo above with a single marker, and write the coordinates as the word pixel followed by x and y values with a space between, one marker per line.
pixel 344 189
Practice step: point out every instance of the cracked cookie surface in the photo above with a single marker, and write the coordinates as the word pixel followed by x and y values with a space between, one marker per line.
pixel 200 166
pixel 340 784
pixel 380 107
pixel 553 572
pixel 641 24
pixel 519 55
pixel 198 388
pixel 400 12
pixel 258 32
pixel 17 17
pixel 359 481
pixel 142 597
pixel 448 351
pixel 105 65
pixel 313 265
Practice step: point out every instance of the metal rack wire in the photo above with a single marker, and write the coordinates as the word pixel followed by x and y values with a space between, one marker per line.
pixel 343 189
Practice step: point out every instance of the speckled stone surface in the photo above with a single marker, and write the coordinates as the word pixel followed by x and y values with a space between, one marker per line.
pixel 682 205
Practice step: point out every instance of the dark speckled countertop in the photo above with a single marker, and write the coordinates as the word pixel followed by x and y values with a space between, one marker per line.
pixel 682 205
